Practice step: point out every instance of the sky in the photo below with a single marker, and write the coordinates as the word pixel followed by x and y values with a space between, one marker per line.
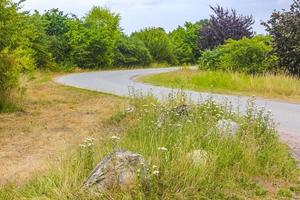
pixel 168 14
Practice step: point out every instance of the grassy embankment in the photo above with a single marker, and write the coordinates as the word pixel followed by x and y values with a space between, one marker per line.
pixel 253 164
pixel 51 120
pixel 279 87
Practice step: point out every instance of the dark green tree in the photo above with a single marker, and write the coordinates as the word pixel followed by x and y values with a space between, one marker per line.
pixel 131 51
pixel 284 27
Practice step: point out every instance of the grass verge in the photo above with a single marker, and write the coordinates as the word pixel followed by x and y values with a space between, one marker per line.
pixel 279 87
pixel 53 118
pixel 251 164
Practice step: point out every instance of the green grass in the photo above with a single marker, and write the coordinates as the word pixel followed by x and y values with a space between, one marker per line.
pixel 236 165
pixel 280 87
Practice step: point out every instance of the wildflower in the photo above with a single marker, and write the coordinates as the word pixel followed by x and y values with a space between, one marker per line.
pixel 129 110
pixel 179 125
pixel 162 149
pixel 115 137
pixel 154 167
pixel 89 140
pixel 82 146
pixel 156 172
pixel 89 144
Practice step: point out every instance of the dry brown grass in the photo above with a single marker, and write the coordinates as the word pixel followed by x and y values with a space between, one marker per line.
pixel 54 119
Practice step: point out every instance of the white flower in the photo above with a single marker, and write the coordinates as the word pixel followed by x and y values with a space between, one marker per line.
pixel 89 139
pixel 89 144
pixel 129 110
pixel 154 167
pixel 82 146
pixel 156 172
pixel 162 149
pixel 115 137
pixel 179 125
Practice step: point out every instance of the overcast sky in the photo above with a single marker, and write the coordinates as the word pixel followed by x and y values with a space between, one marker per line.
pixel 137 14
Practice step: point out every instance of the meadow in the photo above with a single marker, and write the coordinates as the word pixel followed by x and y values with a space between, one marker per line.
pixel 251 164
pixel 279 87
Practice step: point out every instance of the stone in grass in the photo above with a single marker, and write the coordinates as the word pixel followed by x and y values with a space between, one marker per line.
pixel 120 169
pixel 198 157
pixel 227 126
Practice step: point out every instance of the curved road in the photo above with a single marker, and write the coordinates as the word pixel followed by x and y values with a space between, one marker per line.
pixel 287 115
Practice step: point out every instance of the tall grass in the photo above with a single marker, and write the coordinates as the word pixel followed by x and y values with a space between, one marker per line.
pixel 236 166
pixel 270 86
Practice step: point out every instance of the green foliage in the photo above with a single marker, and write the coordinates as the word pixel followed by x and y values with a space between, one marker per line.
pixel 184 40
pixel 131 52
pixel 56 27
pixel 92 41
pixel 9 80
pixel 246 55
pixel 158 43
pixel 9 23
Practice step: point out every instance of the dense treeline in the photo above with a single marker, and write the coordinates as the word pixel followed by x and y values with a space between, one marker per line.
pixel 59 41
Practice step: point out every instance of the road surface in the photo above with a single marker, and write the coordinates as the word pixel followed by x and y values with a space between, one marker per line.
pixel 120 82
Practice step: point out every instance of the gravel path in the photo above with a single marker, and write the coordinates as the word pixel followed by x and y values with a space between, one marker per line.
pixel 119 82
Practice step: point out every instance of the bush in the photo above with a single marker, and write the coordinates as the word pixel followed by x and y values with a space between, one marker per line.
pixel 246 55
pixel 158 43
pixel 9 80
pixel 131 52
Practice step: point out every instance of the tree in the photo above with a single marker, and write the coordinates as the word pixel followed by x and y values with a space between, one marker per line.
pixel 284 27
pixel 10 21
pixel 184 40
pixel 93 40
pixel 131 52
pixel 158 43
pixel 224 25
pixel 56 27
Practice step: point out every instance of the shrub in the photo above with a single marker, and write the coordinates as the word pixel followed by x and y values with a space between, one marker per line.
pixel 158 43
pixel 246 55
pixel 284 28
pixel 9 77
pixel 223 26
pixel 131 52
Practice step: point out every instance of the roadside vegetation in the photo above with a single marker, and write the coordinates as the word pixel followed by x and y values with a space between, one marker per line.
pixel 251 164
pixel 54 119
pixel 40 120
pixel 278 87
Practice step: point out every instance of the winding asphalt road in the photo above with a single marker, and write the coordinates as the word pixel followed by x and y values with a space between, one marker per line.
pixel 120 82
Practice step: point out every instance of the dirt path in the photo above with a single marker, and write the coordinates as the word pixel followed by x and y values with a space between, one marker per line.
pixel 293 141
pixel 55 118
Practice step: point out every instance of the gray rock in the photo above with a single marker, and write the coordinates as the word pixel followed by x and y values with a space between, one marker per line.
pixel 120 169
pixel 227 126
pixel 198 157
